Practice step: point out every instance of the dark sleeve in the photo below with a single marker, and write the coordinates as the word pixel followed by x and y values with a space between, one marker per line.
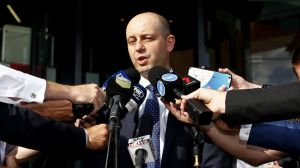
pixel 260 105
pixel 25 128
pixel 278 135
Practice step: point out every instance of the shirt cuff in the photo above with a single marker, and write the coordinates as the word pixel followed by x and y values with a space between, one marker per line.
pixel 245 132
pixel 86 137
pixel 35 89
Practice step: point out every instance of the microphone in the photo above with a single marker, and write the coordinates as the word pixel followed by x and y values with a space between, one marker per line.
pixel 170 86
pixel 119 73
pixel 119 90
pixel 139 92
pixel 191 84
pixel 137 98
pixel 140 148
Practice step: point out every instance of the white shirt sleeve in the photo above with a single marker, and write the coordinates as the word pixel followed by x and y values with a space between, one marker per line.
pixel 245 132
pixel 86 137
pixel 19 85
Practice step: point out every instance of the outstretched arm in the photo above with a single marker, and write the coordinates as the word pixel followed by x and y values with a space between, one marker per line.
pixel 87 93
pixel 30 130
pixel 16 87
pixel 230 141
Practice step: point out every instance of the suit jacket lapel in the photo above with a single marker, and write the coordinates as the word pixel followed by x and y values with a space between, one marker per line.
pixel 129 122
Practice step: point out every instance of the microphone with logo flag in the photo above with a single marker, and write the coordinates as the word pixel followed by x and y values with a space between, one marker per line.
pixel 102 115
pixel 119 91
pixel 170 86
pixel 140 148
pixel 138 95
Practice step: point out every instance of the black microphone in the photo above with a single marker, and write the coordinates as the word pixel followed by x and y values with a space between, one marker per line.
pixel 139 92
pixel 170 86
pixel 140 148
pixel 119 91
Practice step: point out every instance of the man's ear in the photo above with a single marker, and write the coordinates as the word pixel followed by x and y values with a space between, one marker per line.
pixel 170 42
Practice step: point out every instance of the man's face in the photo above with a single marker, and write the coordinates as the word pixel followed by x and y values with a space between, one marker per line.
pixel 147 45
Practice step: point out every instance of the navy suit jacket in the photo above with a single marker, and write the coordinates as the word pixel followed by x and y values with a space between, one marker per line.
pixel 177 148
pixel 279 135
pixel 25 128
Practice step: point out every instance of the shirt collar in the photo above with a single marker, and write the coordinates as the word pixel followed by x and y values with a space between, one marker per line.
pixel 144 82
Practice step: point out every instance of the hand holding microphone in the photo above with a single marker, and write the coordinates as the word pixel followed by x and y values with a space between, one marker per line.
pixel 213 99
pixel 132 97
pixel 170 86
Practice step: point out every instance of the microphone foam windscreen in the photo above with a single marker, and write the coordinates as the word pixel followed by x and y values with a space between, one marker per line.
pixel 133 75
pixel 119 86
pixel 122 84
pixel 168 84
pixel 155 73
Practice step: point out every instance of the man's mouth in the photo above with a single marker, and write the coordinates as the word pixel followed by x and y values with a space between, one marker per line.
pixel 143 60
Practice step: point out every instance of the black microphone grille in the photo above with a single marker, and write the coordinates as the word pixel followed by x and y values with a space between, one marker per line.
pixel 122 84
pixel 155 72
pixel 133 75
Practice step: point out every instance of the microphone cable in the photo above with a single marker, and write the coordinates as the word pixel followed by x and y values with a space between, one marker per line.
pixel 198 145
pixel 196 153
